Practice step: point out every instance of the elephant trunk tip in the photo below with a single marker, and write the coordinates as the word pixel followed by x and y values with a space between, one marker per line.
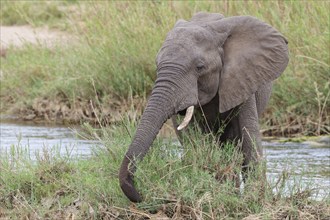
pixel 127 183
pixel 130 191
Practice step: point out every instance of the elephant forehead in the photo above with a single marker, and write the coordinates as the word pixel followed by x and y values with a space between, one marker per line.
pixel 192 34
pixel 185 44
pixel 175 53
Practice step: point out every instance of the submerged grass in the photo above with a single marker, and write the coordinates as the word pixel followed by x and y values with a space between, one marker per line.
pixel 194 182
pixel 113 57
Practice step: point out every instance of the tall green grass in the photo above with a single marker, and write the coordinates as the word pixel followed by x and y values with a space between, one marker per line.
pixel 117 43
pixel 191 183
pixel 35 13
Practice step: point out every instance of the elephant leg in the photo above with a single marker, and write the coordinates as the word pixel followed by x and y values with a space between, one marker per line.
pixel 251 139
pixel 229 132
pixel 251 148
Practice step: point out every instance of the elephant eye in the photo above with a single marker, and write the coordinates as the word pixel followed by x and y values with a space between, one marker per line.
pixel 200 67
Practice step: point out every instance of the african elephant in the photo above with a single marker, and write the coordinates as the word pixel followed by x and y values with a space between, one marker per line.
pixel 216 65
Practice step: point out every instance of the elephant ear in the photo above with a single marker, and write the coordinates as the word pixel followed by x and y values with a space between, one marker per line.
pixel 180 23
pixel 200 19
pixel 204 17
pixel 254 54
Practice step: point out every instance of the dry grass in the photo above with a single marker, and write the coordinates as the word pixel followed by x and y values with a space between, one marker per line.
pixel 196 185
pixel 113 59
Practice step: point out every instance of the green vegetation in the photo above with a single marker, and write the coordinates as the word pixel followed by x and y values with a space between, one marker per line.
pixel 109 64
pixel 35 13
pixel 199 184
pixel 113 56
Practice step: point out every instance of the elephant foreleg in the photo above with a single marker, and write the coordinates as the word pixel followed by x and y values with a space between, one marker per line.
pixel 251 139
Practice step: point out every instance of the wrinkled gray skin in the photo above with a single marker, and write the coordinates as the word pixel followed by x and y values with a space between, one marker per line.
pixel 224 66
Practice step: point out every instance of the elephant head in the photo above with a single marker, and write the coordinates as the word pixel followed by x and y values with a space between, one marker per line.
pixel 207 56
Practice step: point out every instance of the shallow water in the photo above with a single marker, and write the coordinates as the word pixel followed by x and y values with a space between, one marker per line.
pixel 39 138
pixel 307 164
pixel 298 158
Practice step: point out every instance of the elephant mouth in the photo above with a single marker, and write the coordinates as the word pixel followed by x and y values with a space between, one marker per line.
pixel 182 112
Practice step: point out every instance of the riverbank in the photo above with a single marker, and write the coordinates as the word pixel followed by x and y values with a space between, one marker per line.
pixel 59 184
pixel 109 70
pixel 104 76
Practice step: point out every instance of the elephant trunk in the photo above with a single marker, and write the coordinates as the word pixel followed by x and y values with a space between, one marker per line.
pixel 159 109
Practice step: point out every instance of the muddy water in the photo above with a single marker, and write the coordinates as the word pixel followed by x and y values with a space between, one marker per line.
pixel 306 163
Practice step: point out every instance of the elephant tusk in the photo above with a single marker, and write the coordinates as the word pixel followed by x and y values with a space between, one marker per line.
pixel 187 118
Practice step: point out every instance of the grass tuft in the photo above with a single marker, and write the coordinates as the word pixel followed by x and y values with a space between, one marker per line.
pixel 194 182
